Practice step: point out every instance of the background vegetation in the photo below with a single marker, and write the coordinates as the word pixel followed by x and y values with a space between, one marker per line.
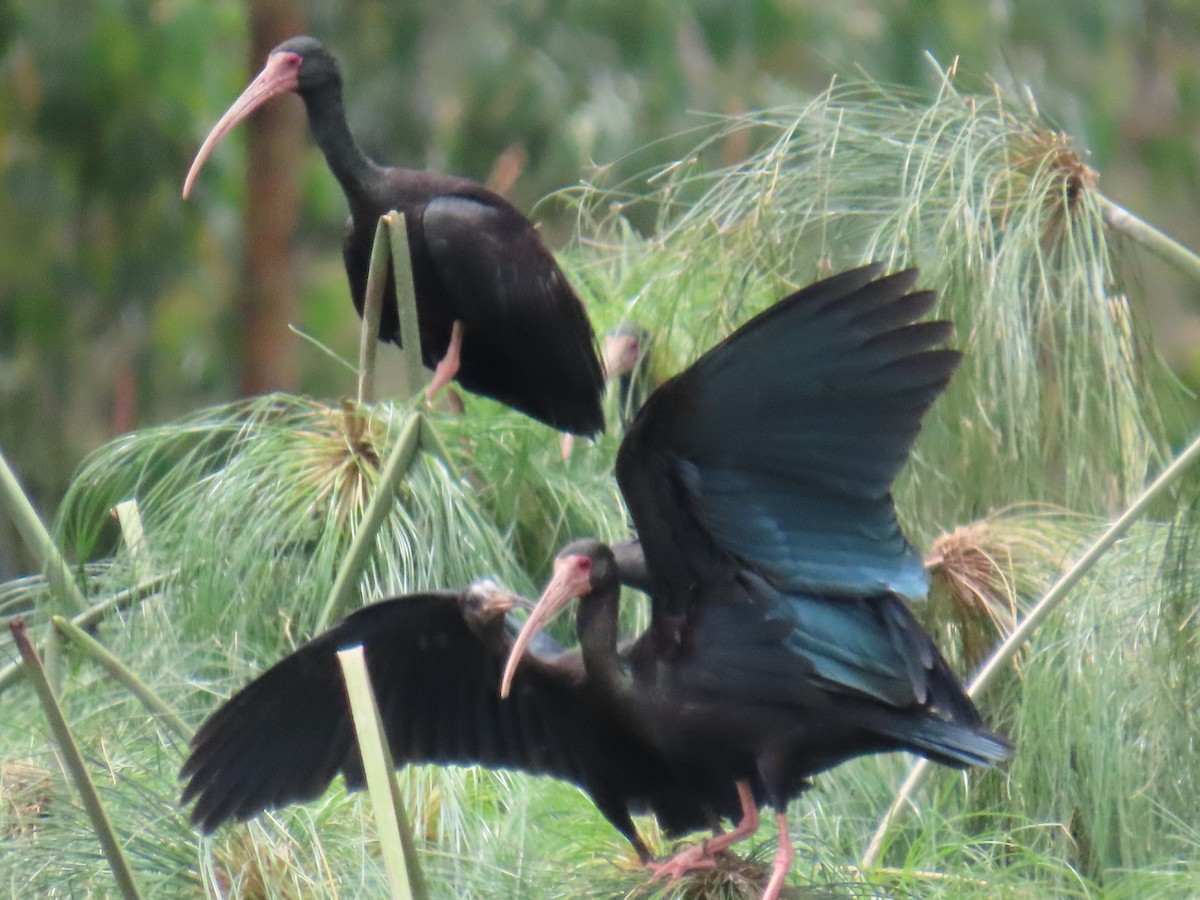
pixel 120 312
pixel 120 304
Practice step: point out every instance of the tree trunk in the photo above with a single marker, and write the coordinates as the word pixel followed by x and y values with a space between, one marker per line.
pixel 268 299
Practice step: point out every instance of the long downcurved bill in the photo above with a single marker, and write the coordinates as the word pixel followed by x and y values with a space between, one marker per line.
pixel 279 76
pixel 564 587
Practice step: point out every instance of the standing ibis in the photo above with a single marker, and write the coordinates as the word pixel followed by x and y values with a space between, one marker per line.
pixel 494 310
pixel 759 483
pixel 435 662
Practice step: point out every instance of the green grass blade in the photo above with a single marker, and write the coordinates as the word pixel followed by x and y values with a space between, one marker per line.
pixel 1049 602
pixel 75 765
pixel 52 661
pixel 123 674
pixel 431 443
pixel 116 602
pixel 395 834
pixel 37 538
pixel 355 560
pixel 368 342
pixel 1165 248
pixel 406 303
pixel 130 519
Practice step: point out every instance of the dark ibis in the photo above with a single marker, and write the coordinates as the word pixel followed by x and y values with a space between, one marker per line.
pixel 494 310
pixel 628 367
pixel 759 482
pixel 628 363
pixel 435 662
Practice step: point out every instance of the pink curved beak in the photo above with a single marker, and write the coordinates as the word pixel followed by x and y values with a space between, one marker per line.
pixel 279 76
pixel 564 586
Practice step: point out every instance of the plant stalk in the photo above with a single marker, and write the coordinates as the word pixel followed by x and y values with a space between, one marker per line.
pixel 75 764
pixel 431 443
pixel 406 303
pixel 123 674
pixel 116 602
pixel 1165 248
pixel 1049 602
pixel 394 470
pixel 52 660
pixel 395 834
pixel 368 342
pixel 38 540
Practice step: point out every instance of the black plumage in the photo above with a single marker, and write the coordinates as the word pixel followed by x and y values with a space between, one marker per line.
pixel 524 337
pixel 759 483
pixel 435 662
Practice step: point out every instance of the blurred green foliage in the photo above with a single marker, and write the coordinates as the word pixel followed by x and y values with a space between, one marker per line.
pixel 116 297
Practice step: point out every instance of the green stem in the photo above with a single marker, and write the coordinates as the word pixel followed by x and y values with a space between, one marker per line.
pixel 324 348
pixel 352 566
pixel 124 675
pixel 431 443
pixel 117 601
pixel 37 539
pixel 406 303
pixel 52 660
pixel 75 765
pixel 395 834
pixel 368 341
pixel 1165 248
pixel 1052 598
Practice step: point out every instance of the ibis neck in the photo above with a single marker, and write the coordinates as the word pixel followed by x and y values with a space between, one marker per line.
pixel 353 170
pixel 631 565
pixel 596 625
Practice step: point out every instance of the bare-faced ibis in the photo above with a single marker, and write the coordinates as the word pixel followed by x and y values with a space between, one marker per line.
pixel 759 483
pixel 435 662
pixel 628 364
pixel 494 310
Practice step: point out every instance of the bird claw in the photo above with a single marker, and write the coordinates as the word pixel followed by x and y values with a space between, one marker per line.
pixel 690 860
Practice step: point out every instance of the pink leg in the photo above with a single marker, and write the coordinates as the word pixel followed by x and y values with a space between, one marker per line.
pixel 448 367
pixel 701 855
pixel 566 444
pixel 783 859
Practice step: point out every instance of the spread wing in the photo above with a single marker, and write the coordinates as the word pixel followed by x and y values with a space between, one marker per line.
pixel 527 340
pixel 778 447
pixel 284 737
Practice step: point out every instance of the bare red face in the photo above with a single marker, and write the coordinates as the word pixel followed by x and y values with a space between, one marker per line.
pixel 572 578
pixel 280 75
pixel 620 354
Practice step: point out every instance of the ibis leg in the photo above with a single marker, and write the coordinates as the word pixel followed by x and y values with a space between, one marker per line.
pixel 448 367
pixel 783 859
pixel 701 855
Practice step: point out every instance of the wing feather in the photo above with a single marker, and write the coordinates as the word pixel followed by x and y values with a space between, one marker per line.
pixel 287 734
pixel 527 339
pixel 779 446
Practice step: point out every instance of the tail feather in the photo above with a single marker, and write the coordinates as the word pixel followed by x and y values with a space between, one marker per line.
pixel 950 743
